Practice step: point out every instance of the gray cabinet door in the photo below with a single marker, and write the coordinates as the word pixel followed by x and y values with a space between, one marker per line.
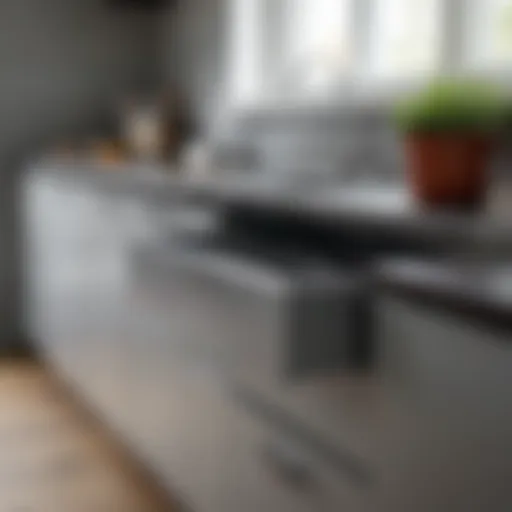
pixel 77 279
pixel 264 468
pixel 144 361
pixel 62 265
pixel 178 419
pixel 188 435
pixel 457 378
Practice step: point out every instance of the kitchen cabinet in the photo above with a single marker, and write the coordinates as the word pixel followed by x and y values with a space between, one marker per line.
pixel 156 338
pixel 183 428
pixel 62 261
pixel 78 240
pixel 267 469
pixel 125 335
pixel 456 375
pixel 146 334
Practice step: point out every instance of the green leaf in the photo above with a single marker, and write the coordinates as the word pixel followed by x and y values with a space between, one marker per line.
pixel 453 105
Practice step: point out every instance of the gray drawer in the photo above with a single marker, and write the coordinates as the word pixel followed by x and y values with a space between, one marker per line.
pixel 263 471
pixel 262 320
pixel 286 326
pixel 180 303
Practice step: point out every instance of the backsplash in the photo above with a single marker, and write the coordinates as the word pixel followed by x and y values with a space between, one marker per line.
pixel 346 144
pixel 350 144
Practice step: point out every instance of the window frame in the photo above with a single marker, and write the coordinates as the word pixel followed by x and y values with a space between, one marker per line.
pixel 363 85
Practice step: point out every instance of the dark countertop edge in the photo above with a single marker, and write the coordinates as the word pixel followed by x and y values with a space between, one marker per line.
pixel 451 228
pixel 463 299
pixel 153 185
pixel 454 230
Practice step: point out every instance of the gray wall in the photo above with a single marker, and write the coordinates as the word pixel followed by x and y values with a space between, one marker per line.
pixel 64 63
pixel 194 55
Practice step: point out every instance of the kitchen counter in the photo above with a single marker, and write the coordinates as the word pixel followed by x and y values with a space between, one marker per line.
pixel 383 209
pixel 479 292
pixel 148 348
pixel 474 288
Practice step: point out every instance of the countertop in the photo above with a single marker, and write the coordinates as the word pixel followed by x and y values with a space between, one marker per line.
pixel 370 206
pixel 478 291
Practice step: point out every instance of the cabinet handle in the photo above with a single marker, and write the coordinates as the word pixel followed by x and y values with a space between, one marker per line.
pixel 286 462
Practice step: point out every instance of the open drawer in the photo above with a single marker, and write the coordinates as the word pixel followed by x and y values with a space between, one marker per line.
pixel 268 315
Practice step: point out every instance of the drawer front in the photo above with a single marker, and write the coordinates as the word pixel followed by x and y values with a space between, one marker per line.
pixel 441 360
pixel 456 376
pixel 181 306
pixel 258 334
pixel 261 323
pixel 288 334
pixel 265 471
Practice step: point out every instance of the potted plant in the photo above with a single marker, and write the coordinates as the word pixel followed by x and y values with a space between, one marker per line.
pixel 449 131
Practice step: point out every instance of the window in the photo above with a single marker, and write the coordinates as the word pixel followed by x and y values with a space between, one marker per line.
pixel 245 16
pixel 405 37
pixel 319 43
pixel 490 34
pixel 331 46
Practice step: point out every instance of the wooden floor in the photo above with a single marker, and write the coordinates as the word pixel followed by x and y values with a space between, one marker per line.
pixel 51 460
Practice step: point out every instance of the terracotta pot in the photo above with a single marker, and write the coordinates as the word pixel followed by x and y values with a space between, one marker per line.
pixel 449 170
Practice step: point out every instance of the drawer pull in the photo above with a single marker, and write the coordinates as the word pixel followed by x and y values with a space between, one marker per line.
pixel 287 463
pixel 343 461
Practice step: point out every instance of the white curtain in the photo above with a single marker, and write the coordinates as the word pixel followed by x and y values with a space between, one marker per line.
pixel 406 37
pixel 489 34
pixel 245 48
pixel 319 41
